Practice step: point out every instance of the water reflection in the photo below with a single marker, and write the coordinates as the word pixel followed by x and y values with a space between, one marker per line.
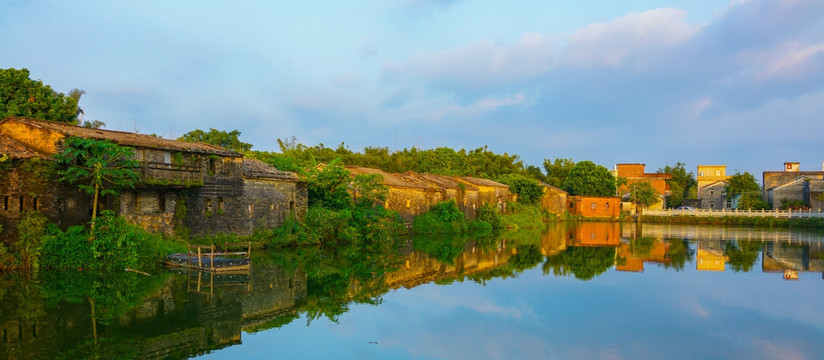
pixel 183 314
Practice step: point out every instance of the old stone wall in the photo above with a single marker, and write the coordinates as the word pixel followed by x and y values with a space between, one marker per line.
pixel 772 179
pixel 554 200
pixel 411 202
pixel 152 209
pixel 794 191
pixel 713 196
pixel 812 190
pixel 30 185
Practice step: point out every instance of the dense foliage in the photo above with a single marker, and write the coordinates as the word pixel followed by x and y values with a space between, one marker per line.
pixel 98 167
pixel 746 188
pixel 682 184
pixel 588 179
pixel 642 194
pixel 557 171
pixel 529 190
pixel 22 96
pixel 227 140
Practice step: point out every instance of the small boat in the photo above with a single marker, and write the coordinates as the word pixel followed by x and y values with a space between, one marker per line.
pixel 208 258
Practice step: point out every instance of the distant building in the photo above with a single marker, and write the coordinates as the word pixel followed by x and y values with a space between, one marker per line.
pixel 789 185
pixel 712 182
pixel 554 200
pixel 594 206
pixel 634 173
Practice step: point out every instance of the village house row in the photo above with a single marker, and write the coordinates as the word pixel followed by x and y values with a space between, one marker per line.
pixel 210 190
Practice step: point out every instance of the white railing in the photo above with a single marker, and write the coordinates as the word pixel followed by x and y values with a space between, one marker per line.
pixel 786 214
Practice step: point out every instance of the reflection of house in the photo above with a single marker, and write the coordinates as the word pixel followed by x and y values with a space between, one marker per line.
pixel 633 256
pixel 594 234
pixel 554 200
pixel 634 173
pixel 594 206
pixel 790 185
pixel 709 256
pixel 777 257
pixel 215 187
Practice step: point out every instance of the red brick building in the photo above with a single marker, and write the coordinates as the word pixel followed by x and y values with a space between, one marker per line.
pixel 634 173
pixel 594 206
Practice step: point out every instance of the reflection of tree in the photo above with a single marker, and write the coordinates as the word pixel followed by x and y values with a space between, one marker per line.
pixel 527 257
pixel 443 247
pixel 583 262
pixel 678 253
pixel 742 255
pixel 642 245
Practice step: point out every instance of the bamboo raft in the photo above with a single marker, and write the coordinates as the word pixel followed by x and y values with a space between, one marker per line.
pixel 232 258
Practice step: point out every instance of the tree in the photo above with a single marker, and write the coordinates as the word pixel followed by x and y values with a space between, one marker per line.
pixel 98 167
pixel 682 184
pixel 529 190
pixel 642 194
pixel 557 171
pixel 746 187
pixel 227 140
pixel 22 96
pixel 588 179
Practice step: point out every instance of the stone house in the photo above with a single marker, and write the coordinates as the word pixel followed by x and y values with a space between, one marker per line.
pixel 789 184
pixel 594 206
pixel 554 200
pixel 216 189
pixel 714 196
pixel 490 192
pixel 408 195
pixel 464 194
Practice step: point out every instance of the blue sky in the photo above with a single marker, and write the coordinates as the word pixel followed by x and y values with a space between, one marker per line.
pixel 701 82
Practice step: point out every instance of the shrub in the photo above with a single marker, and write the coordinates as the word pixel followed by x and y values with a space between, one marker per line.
pixel 67 250
pixel 30 229
pixel 442 218
pixel 489 214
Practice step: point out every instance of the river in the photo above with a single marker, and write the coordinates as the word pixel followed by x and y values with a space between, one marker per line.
pixel 577 291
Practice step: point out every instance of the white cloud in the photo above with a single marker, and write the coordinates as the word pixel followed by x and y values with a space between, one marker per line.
pixel 792 61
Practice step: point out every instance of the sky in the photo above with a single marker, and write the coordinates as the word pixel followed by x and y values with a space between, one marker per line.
pixel 738 82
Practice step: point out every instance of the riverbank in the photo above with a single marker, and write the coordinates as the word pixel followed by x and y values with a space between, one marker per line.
pixel 808 223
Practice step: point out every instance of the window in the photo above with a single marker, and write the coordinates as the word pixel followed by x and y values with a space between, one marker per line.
pixel 712 192
pixel 34 203
pixel 607 206
pixel 161 202
pixel 251 209
pixel 21 205
pixel 701 173
pixel 138 155
pixel 220 205
pixel 717 172
pixel 167 157
pixel 409 202
pixel 208 207
pixel 712 206
pixel 292 205
pixel 593 206
pixel 212 166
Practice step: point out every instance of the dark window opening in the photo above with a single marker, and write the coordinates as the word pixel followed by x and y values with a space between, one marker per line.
pixel 34 203
pixel 292 205
pixel 212 166
pixel 21 204
pixel 161 202
pixel 220 205
pixel 34 330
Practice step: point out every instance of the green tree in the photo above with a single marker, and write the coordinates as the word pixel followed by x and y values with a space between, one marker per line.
pixel 642 194
pixel 328 186
pixel 742 254
pixel 557 171
pixel 227 140
pixel 529 190
pixel 588 179
pixel 22 96
pixel 98 167
pixel 746 188
pixel 682 184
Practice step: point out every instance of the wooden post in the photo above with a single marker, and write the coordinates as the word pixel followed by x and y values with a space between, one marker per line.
pixel 199 261
pixel 188 255
pixel 212 259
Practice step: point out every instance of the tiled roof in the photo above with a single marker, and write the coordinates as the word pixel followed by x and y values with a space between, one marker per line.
pixel 389 179
pixel 124 138
pixel 483 182
pixel 442 181
pixel 16 150
pixel 256 169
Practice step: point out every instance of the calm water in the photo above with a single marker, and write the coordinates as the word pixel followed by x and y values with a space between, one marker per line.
pixel 594 290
